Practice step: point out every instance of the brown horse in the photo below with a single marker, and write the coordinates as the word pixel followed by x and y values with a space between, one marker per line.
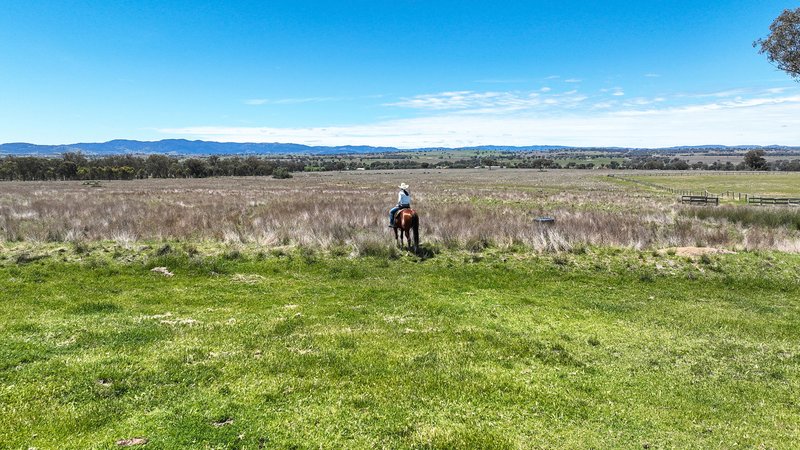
pixel 407 220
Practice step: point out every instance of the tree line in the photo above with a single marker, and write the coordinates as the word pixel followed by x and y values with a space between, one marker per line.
pixel 76 166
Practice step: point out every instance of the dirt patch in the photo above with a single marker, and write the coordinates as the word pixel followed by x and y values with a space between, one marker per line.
pixel 697 251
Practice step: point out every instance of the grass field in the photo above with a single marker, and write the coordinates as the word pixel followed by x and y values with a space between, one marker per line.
pixel 292 321
pixel 459 209
pixel 602 349
pixel 767 183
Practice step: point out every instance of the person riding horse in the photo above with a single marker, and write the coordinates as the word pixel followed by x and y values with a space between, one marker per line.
pixel 403 202
pixel 404 220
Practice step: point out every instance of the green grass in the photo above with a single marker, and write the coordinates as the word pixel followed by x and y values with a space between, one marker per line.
pixel 599 350
pixel 747 215
pixel 767 183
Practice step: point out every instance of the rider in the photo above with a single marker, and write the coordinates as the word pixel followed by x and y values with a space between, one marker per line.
pixel 403 201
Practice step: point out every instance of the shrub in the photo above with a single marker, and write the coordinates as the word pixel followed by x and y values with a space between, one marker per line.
pixel 478 244
pixel 281 173
pixel 164 250
pixel 80 247
pixel 233 254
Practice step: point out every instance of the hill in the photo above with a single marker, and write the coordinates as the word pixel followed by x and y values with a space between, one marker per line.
pixel 200 148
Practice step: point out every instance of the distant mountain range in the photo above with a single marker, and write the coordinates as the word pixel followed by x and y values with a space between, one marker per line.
pixel 185 147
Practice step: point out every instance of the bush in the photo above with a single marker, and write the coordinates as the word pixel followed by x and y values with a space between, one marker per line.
pixel 233 255
pixel 478 244
pixel 80 247
pixel 281 173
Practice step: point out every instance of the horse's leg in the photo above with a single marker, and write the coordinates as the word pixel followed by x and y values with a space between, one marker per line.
pixel 415 232
pixel 408 238
pixel 396 241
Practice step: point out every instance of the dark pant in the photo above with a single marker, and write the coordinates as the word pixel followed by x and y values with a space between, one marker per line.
pixel 394 211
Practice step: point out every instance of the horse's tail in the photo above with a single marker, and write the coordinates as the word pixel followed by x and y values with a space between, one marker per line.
pixel 415 231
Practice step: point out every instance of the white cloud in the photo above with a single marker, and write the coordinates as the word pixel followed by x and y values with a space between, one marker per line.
pixel 643 101
pixel 572 80
pixel 607 118
pixel 754 121
pixel 616 91
pixel 710 107
pixel 469 102
pixel 652 75
pixel 719 94
pixel 779 90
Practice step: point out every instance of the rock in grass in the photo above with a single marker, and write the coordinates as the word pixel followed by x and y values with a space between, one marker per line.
pixel 162 270
pixel 222 423
pixel 131 442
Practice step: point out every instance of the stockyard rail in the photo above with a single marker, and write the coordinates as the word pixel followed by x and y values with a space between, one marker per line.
pixel 773 201
pixel 699 199
pixel 687 192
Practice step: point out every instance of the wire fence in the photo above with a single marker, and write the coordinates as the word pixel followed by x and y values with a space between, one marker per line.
pixel 706 197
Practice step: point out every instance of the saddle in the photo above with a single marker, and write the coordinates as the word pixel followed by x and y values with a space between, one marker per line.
pixel 399 210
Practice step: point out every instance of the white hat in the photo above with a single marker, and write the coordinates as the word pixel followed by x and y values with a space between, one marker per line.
pixel 403 186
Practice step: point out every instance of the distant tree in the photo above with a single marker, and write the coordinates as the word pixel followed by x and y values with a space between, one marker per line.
pixel 196 168
pixel 157 166
pixel 8 170
pixel 281 173
pixel 754 160
pixel 677 164
pixel 488 162
pixel 213 165
pixel 67 170
pixel 793 165
pixel 782 45
pixel 654 164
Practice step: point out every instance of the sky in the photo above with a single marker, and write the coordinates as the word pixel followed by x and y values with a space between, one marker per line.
pixel 395 73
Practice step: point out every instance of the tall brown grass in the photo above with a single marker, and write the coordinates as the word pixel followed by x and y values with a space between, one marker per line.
pixel 463 209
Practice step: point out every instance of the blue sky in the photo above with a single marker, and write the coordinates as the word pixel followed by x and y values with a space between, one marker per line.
pixel 402 73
